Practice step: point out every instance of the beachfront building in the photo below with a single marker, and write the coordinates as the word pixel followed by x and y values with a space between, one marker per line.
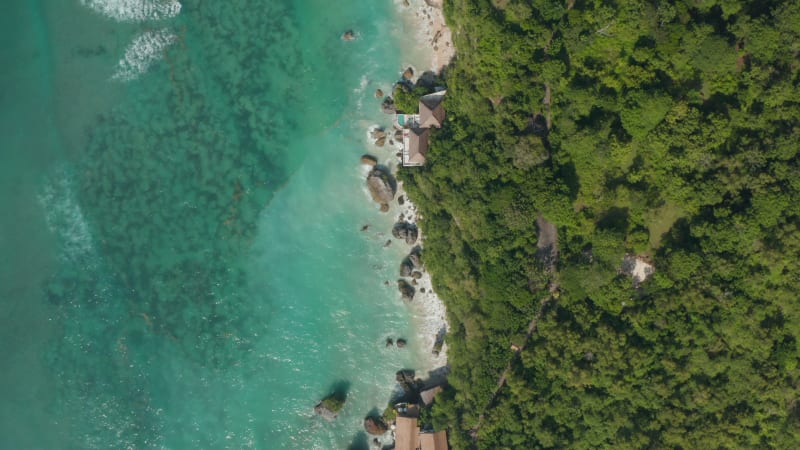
pixel 431 111
pixel 427 396
pixel 415 146
pixel 416 128
pixel 433 441
pixel 407 436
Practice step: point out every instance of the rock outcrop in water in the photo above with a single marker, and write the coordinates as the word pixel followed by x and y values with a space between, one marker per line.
pixel 330 406
pixel 415 257
pixel 382 186
pixel 406 268
pixel 375 426
pixel 407 291
pixel 369 160
pixel 406 231
pixel 388 106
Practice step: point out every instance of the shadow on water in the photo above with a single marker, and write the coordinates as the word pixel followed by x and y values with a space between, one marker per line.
pixel 339 390
pixel 360 442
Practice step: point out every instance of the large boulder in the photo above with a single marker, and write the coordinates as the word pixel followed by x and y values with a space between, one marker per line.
pixel 381 186
pixel 415 257
pixel 330 406
pixel 369 160
pixel 388 106
pixel 375 426
pixel 407 291
pixel 405 376
pixel 406 231
pixel 406 268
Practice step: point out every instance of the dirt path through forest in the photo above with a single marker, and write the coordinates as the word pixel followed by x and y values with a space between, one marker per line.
pixel 547 253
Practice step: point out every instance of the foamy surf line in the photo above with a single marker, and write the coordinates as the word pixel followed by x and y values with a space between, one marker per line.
pixel 431 49
pixel 145 50
pixel 429 312
pixel 432 39
pixel 135 10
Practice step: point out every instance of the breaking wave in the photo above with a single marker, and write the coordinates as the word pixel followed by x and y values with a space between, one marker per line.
pixel 146 49
pixel 135 10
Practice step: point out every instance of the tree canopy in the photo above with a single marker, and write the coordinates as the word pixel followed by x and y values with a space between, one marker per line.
pixel 666 130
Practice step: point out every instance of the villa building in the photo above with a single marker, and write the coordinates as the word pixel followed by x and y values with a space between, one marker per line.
pixel 409 437
pixel 416 128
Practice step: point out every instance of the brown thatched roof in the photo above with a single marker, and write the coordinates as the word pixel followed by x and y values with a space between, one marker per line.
pixel 433 441
pixel 431 112
pixel 417 146
pixel 429 394
pixel 406 434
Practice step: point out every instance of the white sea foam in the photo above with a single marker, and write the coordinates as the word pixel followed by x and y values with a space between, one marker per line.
pixel 135 10
pixel 145 50
pixel 64 217
pixel 428 310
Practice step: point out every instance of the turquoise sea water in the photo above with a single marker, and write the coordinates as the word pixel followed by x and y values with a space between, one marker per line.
pixel 182 262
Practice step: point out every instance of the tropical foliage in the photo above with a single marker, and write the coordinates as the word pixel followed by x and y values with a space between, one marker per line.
pixel 664 129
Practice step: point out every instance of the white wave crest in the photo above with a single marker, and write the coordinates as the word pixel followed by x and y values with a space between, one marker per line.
pixel 135 10
pixel 146 49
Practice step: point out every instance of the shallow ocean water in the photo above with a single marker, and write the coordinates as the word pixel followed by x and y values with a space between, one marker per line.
pixel 183 265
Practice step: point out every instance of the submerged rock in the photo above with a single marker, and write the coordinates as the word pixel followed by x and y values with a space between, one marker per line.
pixel 378 93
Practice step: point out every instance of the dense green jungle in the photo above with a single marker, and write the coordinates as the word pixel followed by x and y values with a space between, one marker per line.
pixel 661 130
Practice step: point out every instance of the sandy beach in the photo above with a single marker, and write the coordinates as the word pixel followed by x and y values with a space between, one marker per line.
pixel 425 26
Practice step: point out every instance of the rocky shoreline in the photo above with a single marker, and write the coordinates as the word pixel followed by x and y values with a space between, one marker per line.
pixel 379 166
pixel 424 21
pixel 414 281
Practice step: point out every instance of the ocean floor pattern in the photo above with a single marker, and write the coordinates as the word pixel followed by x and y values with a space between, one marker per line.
pixel 208 280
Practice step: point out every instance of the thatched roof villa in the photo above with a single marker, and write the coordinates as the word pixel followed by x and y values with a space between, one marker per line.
pixel 415 128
